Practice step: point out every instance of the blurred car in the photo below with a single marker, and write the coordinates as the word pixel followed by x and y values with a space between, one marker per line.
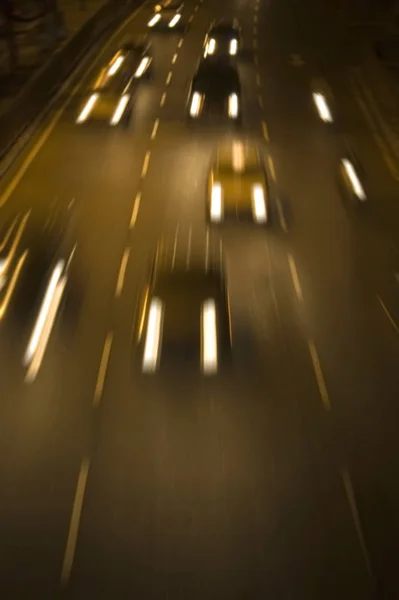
pixel 183 318
pixel 237 184
pixel 35 260
pixel 224 38
pixel 215 90
pixel 169 5
pixel 110 96
pixel 167 17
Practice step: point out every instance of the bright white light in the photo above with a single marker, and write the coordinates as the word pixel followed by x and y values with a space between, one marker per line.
pixel 47 328
pixel 3 265
pixel 233 47
pixel 115 66
pixel 209 338
pixel 43 313
pixel 120 109
pixel 143 66
pixel 233 106
pixel 258 203
pixel 88 108
pixel 211 46
pixel 195 105
pixel 152 340
pixel 238 157
pixel 154 20
pixel 322 107
pixel 354 179
pixel 175 20
pixel 216 202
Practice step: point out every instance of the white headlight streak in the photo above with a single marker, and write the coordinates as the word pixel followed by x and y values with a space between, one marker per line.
pixel 211 46
pixel 322 107
pixel 258 203
pixel 120 109
pixel 153 336
pixel 216 202
pixel 45 321
pixel 174 21
pixel 87 108
pixel 154 20
pixel 143 66
pixel 115 66
pixel 233 106
pixel 354 179
pixel 195 106
pixel 209 338
pixel 233 47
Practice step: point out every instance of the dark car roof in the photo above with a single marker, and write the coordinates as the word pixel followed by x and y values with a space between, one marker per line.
pixel 224 27
pixel 212 71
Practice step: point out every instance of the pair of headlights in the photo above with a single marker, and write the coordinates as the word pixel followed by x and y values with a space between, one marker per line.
pixel 258 203
pixel 211 47
pixel 197 102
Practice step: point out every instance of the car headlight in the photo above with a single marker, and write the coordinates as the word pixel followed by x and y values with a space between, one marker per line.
pixel 216 202
pixel 88 107
pixel 154 20
pixel 115 66
pixel 211 46
pixel 258 203
pixel 174 21
pixel 195 106
pixel 209 338
pixel 233 106
pixel 152 344
pixel 353 179
pixel 120 109
pixel 233 47
pixel 322 107
pixel 143 66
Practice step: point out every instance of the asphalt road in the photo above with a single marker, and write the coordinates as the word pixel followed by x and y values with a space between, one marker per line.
pixel 277 479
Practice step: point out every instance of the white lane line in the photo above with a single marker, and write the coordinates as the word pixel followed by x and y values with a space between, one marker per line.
pixel 265 131
pixel 180 44
pixel 255 18
pixel 256 7
pixel 145 164
pixel 174 59
pixel 163 98
pixel 169 78
pixel 255 43
pixel 260 101
pixel 45 135
pixel 190 233
pixel 135 211
pixel 122 272
pixel 281 216
pixel 272 170
pixel 102 371
pixel 319 375
pixel 347 481
pixel 155 129
pixel 75 521
pixel 207 250
pixel 295 278
pixel 387 314
pixel 196 8
pixel 175 246
pixel 258 79
pixel 191 18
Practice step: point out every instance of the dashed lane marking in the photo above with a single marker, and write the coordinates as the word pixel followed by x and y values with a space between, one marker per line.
pixel 174 59
pixel 295 278
pixel 169 78
pixel 155 129
pixel 281 216
pixel 135 211
pixel 122 272
pixel 145 164
pixel 103 369
pixel 319 375
pixel 272 170
pixel 163 99
pixel 265 131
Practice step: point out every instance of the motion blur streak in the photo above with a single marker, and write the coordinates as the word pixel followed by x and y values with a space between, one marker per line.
pixel 259 206
pixel 12 284
pixel 142 67
pixel 322 107
pixel 233 106
pixel 195 105
pixel 120 109
pixel 209 338
pixel 354 180
pixel 233 47
pixel 88 108
pixel 115 66
pixel 154 20
pixel 216 202
pixel 152 342
pixel 174 21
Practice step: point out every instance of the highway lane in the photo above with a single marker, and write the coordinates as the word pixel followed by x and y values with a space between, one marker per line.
pixel 101 172
pixel 354 261
pixel 175 500
pixel 240 421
